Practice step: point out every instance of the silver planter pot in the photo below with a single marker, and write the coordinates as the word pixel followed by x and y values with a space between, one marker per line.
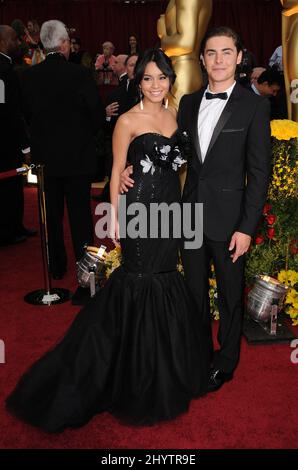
pixel 91 266
pixel 267 291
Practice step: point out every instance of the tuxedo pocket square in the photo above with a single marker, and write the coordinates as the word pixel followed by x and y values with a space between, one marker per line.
pixel 232 189
pixel 233 130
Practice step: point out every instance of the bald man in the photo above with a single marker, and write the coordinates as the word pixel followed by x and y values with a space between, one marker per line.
pixel 119 69
pixel 14 140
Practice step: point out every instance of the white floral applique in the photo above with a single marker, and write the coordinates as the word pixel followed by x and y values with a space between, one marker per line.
pixel 147 165
pixel 178 161
pixel 164 151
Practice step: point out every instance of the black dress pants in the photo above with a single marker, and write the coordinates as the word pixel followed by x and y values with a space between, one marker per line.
pixel 230 289
pixel 75 191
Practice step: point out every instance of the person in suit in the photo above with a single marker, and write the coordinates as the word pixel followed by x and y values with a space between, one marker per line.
pixel 229 174
pixel 124 96
pixel 119 69
pixel 14 142
pixel 270 83
pixel 64 113
pixel 78 55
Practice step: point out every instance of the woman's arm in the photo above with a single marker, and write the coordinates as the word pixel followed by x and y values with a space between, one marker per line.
pixel 121 139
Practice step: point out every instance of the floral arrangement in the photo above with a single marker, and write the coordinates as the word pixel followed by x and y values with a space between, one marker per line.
pixel 275 248
pixel 112 261
pixel 213 295
pixel 284 129
pixel 290 279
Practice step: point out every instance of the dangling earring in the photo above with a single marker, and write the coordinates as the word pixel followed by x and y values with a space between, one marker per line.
pixel 167 103
pixel 141 100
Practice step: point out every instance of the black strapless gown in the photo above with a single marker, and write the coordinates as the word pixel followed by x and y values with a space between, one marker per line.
pixel 136 349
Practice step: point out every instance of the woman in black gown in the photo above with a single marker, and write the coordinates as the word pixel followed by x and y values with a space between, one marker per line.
pixel 136 349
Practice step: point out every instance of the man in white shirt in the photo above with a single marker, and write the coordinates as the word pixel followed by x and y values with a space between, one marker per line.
pixel 228 173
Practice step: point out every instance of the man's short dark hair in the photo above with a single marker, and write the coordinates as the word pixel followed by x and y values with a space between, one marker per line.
pixel 222 31
pixel 271 76
pixel 129 56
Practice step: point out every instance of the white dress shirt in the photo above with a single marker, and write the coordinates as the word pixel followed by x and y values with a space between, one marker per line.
pixel 209 114
pixel 255 90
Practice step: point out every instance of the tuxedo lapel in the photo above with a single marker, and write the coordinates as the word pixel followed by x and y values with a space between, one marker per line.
pixel 225 115
pixel 194 125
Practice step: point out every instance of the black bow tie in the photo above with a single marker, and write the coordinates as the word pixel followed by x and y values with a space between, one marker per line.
pixel 221 96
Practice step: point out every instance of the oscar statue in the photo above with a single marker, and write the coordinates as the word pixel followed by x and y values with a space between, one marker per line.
pixel 181 30
pixel 290 54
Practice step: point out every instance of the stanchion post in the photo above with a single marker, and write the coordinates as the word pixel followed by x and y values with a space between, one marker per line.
pixel 48 295
pixel 43 228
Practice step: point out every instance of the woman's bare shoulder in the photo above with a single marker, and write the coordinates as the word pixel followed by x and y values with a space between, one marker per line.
pixel 129 118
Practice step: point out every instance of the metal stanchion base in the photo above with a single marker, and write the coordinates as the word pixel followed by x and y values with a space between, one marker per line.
pixel 43 297
pixel 255 333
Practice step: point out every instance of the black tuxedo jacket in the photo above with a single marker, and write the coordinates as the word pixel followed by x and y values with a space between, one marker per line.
pixel 62 106
pixel 126 97
pixel 123 80
pixel 232 181
pixel 14 136
pixel 278 104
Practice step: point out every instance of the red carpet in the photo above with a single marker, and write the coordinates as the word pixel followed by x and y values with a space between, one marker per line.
pixel 257 409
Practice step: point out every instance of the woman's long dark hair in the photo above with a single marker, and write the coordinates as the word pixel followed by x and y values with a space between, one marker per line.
pixel 138 49
pixel 162 61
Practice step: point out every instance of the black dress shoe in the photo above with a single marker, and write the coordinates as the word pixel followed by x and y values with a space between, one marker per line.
pixel 217 378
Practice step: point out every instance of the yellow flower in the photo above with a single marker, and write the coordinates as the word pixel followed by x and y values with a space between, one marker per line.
pixel 284 129
pixel 292 297
pixel 216 315
pixel 293 312
pixel 112 261
pixel 180 268
pixel 289 278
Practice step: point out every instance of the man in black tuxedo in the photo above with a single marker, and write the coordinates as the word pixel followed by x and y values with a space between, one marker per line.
pixel 270 83
pixel 228 173
pixel 14 141
pixel 64 112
